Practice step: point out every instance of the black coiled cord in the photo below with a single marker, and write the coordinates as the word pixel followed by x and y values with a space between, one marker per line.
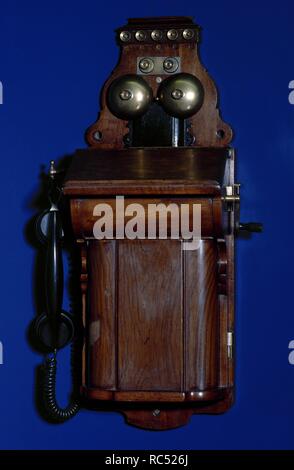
pixel 57 414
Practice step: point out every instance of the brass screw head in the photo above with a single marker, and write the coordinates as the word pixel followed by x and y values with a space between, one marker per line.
pixel 125 95
pixel 168 64
pixel 172 34
pixel 177 94
pixel 140 35
pixel 156 35
pixel 125 36
pixel 188 33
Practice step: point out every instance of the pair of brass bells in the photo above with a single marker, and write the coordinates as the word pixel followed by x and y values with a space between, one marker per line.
pixel 130 96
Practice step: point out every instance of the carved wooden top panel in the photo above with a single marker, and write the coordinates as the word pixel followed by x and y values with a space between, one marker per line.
pixel 147 57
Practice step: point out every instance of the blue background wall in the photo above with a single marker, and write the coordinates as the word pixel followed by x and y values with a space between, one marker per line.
pixel 54 58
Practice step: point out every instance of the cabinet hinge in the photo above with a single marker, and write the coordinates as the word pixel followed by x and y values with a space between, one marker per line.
pixel 230 344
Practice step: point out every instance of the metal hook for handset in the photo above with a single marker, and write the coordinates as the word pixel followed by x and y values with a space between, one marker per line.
pixel 54 197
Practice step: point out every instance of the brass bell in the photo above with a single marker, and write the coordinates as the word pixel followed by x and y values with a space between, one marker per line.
pixel 181 95
pixel 129 96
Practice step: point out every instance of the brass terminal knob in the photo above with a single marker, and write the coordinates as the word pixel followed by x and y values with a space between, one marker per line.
pixel 170 65
pixel 146 65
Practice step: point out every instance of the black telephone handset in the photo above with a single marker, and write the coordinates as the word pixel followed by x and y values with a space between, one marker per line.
pixel 55 327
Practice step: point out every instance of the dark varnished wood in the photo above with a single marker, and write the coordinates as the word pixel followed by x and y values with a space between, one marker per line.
pixel 162 414
pixel 142 328
pixel 201 318
pixel 101 326
pixel 84 288
pixel 150 396
pixel 135 171
pixel 150 325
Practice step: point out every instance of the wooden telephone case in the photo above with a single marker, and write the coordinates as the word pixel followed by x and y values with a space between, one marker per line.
pixel 158 320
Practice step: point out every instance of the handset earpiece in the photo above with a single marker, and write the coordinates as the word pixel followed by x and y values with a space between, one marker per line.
pixel 129 96
pixel 181 95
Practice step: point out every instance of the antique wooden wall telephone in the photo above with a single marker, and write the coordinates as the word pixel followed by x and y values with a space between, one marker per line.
pixel 158 320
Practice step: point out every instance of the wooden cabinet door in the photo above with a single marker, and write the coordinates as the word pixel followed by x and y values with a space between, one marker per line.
pixel 153 320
